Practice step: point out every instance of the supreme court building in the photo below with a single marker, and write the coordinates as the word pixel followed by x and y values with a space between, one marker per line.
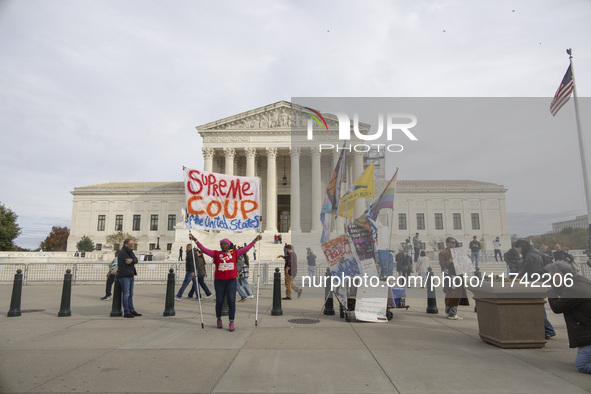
pixel 270 143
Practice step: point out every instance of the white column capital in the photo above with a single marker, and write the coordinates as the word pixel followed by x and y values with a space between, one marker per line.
pixel 229 153
pixel 208 153
pixel 315 151
pixel 250 152
pixel 271 153
pixel 295 152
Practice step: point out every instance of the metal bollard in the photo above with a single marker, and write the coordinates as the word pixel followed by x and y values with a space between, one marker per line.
pixel 17 290
pixel 431 297
pixel 116 308
pixel 66 295
pixel 277 311
pixel 329 304
pixel 169 302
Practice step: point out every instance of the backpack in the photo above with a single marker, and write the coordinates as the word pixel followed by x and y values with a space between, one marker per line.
pixel 246 260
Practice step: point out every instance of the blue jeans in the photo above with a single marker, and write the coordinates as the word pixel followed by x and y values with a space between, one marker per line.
pixel 548 329
pixel 201 281
pixel 188 279
pixel 225 288
pixel 474 258
pixel 243 282
pixel 127 291
pixel 483 255
pixel 311 271
pixel 583 360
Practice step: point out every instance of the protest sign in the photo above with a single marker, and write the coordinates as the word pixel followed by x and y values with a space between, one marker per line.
pixel 362 240
pixel 372 304
pixel 341 257
pixel 221 202
pixel 462 262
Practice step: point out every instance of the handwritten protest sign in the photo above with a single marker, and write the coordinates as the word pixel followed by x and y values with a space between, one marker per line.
pixel 341 257
pixel 462 262
pixel 221 202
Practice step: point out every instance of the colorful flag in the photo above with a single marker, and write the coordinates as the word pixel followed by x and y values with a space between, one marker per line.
pixel 221 202
pixel 563 93
pixel 386 199
pixel 333 194
pixel 362 187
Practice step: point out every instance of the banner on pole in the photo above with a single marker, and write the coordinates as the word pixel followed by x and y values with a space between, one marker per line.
pixel 362 240
pixel 221 202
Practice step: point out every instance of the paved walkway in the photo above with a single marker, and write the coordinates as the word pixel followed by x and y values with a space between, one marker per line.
pixel 414 353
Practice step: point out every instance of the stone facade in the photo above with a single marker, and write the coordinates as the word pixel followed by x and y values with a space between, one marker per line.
pixel 270 143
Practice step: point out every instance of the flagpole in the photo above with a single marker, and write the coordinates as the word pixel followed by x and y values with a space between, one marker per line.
pixel 583 154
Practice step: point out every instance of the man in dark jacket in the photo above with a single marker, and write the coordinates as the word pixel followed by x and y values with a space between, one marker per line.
pixel 291 271
pixel 190 266
pixel 126 262
pixel 573 299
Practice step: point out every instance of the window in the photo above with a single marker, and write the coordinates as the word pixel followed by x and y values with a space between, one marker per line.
pixel 134 246
pixel 137 219
pixel 457 221
pixel 420 221
pixel 475 221
pixel 99 247
pixel 116 247
pixel 152 246
pixel 119 223
pixel 169 247
pixel 171 222
pixel 154 223
pixel 101 223
pixel 402 221
pixel 438 221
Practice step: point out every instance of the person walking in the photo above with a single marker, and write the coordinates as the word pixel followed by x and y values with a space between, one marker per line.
pixel 190 265
pixel 497 248
pixel 423 265
pixel 242 284
pixel 532 270
pixel 416 243
pixel 475 249
pixel 111 278
pixel 126 271
pixel 225 276
pixel 291 270
pixel 201 275
pixel 181 253
pixel 483 255
pixel 574 302
pixel 311 257
pixel 453 295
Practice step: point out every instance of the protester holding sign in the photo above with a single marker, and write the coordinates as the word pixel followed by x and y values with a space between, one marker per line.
pixel 453 294
pixel 225 275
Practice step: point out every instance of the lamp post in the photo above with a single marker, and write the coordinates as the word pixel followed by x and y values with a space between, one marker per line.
pixel 158 243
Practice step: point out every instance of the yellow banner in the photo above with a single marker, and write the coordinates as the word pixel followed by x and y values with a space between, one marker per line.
pixel 363 187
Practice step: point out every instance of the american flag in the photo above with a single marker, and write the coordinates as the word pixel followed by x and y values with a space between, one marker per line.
pixel 563 93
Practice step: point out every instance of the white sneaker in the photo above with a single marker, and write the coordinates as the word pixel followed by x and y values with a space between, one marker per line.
pixel 455 317
pixel 187 296
pixel 250 296
pixel 178 298
pixel 208 296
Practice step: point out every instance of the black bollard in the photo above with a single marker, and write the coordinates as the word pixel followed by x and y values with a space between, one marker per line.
pixel 329 304
pixel 277 311
pixel 431 297
pixel 66 295
pixel 117 300
pixel 169 302
pixel 17 290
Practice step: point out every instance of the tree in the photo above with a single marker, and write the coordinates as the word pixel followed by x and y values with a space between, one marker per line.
pixel 115 241
pixel 9 229
pixel 57 240
pixel 85 244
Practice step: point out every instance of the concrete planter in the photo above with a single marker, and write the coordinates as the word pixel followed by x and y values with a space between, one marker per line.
pixel 511 318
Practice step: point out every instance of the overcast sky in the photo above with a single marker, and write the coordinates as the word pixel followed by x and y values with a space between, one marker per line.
pixel 105 91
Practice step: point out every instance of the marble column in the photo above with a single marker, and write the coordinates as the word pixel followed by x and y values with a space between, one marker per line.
pixel 295 190
pixel 271 218
pixel 357 172
pixel 316 193
pixel 250 156
pixel 229 154
pixel 208 159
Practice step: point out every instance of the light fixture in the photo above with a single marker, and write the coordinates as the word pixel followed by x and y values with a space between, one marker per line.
pixel 284 177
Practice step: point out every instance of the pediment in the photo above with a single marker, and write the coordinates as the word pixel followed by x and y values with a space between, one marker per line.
pixel 282 115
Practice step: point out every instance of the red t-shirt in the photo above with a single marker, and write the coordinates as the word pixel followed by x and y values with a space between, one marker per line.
pixel 225 262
